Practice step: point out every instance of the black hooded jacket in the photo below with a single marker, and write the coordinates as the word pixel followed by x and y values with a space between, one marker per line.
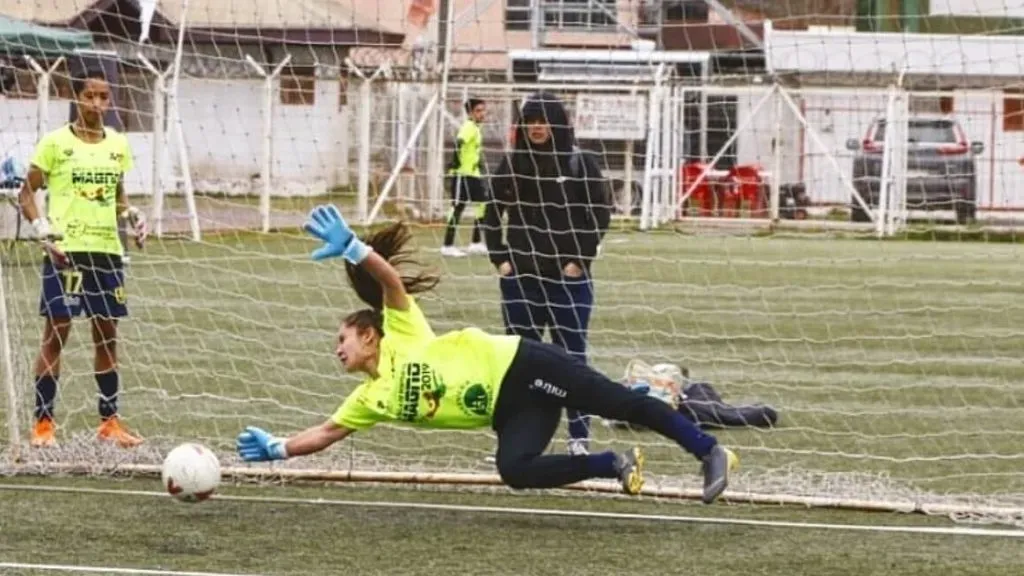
pixel 558 206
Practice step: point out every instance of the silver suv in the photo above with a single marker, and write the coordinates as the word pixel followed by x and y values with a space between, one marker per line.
pixel 941 171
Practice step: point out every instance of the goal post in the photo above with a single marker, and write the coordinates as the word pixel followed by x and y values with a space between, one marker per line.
pixel 894 366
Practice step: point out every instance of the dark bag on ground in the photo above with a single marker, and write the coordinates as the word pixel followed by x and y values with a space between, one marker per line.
pixel 703 405
pixel 698 401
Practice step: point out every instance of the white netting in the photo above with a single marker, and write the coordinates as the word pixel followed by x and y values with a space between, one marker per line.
pixel 895 366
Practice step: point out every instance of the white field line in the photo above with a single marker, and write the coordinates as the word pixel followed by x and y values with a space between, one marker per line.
pixel 103 570
pixel 931 530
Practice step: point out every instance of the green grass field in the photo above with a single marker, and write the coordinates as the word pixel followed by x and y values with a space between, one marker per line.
pixel 895 365
pixel 299 538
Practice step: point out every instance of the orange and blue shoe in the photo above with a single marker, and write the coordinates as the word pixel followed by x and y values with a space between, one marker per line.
pixel 113 430
pixel 44 433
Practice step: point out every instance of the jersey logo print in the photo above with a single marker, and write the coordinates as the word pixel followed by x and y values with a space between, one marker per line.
pixel 419 382
pixel 475 400
pixel 548 388
pixel 95 185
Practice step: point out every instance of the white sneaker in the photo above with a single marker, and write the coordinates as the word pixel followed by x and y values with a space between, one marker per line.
pixel 578 448
pixel 477 248
pixel 452 252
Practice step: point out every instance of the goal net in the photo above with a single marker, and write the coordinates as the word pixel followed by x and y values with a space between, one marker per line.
pixel 894 365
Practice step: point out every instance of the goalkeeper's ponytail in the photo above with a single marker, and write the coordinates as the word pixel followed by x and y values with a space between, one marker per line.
pixel 390 243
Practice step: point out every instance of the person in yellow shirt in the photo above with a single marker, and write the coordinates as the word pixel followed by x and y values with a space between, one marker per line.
pixel 82 165
pixel 468 378
pixel 467 184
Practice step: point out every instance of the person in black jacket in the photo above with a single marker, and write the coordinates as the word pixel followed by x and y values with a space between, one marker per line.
pixel 558 206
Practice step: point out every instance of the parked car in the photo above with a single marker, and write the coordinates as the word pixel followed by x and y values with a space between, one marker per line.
pixel 941 173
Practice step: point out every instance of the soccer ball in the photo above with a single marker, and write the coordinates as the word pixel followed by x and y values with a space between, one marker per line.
pixel 191 472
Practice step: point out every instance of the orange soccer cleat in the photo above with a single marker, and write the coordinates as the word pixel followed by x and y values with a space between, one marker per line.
pixel 44 433
pixel 113 430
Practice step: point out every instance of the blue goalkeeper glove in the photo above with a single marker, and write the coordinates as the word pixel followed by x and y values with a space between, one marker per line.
pixel 325 222
pixel 257 445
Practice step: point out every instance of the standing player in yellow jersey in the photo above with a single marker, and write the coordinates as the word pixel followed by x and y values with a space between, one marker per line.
pixel 471 379
pixel 82 165
pixel 466 171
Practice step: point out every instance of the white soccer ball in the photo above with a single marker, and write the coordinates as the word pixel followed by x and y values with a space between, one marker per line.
pixel 191 472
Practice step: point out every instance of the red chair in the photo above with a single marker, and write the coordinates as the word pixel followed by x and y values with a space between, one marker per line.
pixel 701 196
pixel 746 185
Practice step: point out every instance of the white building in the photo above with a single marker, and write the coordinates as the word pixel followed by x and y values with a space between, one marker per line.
pixel 842 78
pixel 221 94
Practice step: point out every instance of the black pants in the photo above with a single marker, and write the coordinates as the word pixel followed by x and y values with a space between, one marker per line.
pixel 465 189
pixel 542 380
pixel 529 305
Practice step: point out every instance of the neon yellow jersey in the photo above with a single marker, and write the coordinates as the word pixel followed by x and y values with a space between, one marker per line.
pixel 447 381
pixel 470 140
pixel 82 180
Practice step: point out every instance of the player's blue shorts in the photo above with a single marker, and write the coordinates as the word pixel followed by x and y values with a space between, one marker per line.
pixel 93 284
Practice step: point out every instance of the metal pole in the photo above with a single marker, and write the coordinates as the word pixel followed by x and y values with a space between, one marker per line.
pixel 887 152
pixel 267 156
pixel 159 142
pixel 42 93
pixel 179 128
pixel 536 24
pixel 653 134
pixel 7 363
pixel 898 188
pixel 445 28
pixel 363 183
pixel 402 157
pixel 776 178
pixel 703 111
pixel 365 94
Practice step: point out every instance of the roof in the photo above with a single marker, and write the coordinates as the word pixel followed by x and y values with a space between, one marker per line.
pixel 43 11
pixel 922 117
pixel 839 52
pixel 23 37
pixel 302 14
pixel 241 14
pixel 617 56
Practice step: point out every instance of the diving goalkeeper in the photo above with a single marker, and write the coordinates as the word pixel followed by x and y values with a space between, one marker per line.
pixel 470 379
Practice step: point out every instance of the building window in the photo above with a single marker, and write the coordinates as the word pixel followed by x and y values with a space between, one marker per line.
pixel 342 92
pixel 1013 111
pixel 134 94
pixel 931 104
pixel 517 14
pixel 25 85
pixel 946 104
pixel 298 85
pixel 561 14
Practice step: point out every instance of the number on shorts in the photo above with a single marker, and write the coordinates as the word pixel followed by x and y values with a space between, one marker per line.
pixel 119 295
pixel 72 280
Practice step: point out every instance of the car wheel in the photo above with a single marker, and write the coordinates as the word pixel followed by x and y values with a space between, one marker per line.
pixel 858 214
pixel 966 211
